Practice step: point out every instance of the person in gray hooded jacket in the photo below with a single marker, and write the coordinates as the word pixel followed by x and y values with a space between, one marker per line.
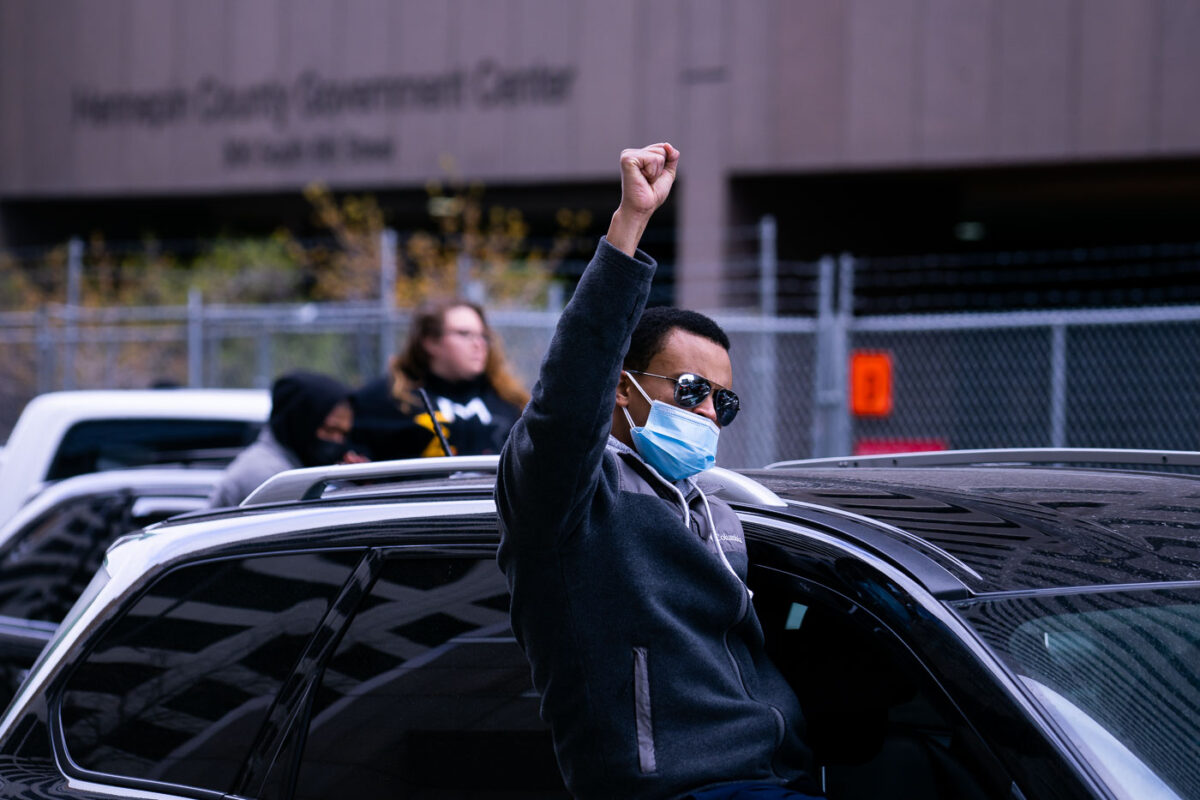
pixel 627 582
pixel 310 420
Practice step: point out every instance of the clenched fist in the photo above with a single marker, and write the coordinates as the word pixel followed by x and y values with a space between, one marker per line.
pixel 647 175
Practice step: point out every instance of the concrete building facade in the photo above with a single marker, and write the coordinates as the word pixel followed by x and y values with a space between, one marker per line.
pixel 1094 104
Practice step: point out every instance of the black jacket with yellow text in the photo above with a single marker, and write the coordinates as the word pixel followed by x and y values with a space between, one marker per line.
pixel 474 419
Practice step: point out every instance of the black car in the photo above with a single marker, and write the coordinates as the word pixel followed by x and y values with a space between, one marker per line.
pixel 968 632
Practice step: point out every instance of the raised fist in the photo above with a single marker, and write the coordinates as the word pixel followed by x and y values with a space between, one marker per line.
pixel 646 177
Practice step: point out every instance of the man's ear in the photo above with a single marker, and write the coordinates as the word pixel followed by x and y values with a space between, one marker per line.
pixel 624 387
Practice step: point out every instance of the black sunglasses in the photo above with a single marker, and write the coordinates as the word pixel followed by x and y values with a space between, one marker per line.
pixel 691 389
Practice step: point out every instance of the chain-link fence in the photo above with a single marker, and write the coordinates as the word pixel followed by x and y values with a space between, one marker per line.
pixel 1113 378
pixel 1110 378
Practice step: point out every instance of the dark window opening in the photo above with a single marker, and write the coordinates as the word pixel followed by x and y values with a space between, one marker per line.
pixel 1083 235
pixel 427 695
pixel 879 727
pixel 101 445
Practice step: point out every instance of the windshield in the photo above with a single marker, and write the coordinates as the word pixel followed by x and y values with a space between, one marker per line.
pixel 1120 674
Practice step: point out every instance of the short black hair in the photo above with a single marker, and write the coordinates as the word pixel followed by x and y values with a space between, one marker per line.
pixel 654 326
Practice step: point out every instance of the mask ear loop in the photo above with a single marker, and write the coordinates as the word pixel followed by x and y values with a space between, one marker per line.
pixel 636 385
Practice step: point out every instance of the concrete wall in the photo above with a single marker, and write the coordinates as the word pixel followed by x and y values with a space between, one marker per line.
pixel 925 82
pixel 152 97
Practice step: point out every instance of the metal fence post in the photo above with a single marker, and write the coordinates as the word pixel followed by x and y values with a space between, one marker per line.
pixel 1058 385
pixel 71 310
pixel 844 320
pixel 768 266
pixel 821 372
pixel 765 370
pixel 388 241
pixel 265 354
pixel 831 414
pixel 45 350
pixel 195 338
pixel 470 288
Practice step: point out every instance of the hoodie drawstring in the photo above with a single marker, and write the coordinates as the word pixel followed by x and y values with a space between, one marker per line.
pixel 712 527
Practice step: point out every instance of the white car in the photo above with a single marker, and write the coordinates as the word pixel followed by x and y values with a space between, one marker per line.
pixel 51 547
pixel 63 434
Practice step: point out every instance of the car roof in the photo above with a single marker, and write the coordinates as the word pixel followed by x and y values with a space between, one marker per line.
pixel 141 482
pixel 251 404
pixel 980 529
pixel 1020 528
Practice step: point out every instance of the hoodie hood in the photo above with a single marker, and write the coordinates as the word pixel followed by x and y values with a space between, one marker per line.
pixel 300 402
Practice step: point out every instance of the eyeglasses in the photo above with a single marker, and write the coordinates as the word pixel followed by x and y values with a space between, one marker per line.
pixel 691 389
pixel 471 336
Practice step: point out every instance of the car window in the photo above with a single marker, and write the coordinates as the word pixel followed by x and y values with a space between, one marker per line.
pixel 875 719
pixel 177 688
pixel 427 695
pixel 47 564
pixel 99 445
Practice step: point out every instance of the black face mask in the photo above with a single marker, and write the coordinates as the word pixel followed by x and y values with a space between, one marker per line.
pixel 323 451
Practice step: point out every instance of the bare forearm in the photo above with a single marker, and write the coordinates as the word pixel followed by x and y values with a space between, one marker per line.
pixel 626 229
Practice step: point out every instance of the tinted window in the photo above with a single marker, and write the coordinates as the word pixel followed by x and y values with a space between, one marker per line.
pixel 178 687
pixel 49 562
pixel 428 696
pixel 99 445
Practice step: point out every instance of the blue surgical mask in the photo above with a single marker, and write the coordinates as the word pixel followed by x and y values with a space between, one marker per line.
pixel 678 443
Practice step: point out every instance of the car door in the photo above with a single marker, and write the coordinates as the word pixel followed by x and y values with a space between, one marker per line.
pixel 425 695
pixel 168 696
pixel 380 670
pixel 895 705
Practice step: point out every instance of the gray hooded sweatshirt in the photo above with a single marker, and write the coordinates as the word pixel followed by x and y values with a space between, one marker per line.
pixel 628 593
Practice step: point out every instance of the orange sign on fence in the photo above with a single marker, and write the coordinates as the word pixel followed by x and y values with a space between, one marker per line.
pixel 871 383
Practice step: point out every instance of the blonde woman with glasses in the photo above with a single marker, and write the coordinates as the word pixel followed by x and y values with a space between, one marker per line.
pixel 452 368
